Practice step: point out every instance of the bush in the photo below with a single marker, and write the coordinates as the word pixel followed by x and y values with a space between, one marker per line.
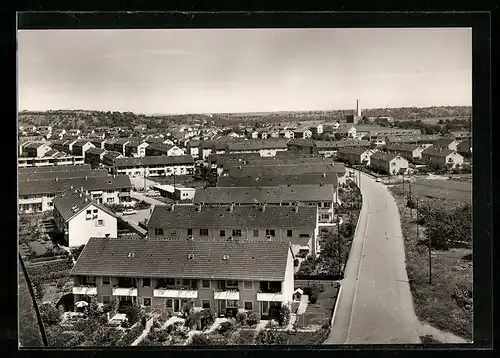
pixel 272 336
pixel 284 315
pixel 243 337
pixel 200 340
pixel 60 283
pixel 296 262
pixel 50 314
pixel 225 327
pixel 241 317
pixel 38 287
pixel 253 318
pixel 208 318
pixel 163 336
pixel 107 308
pixel 125 324
pixel 75 252
pixel 164 316
pixel 467 257
pixel 143 321
pixel 133 314
pixel 131 336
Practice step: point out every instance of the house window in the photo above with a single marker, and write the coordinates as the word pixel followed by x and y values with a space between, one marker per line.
pixel 186 282
pixel 205 283
pixel 203 232
pixel 159 231
pixel 106 299
pixel 289 233
pixel 231 284
pixel 248 285
pixel 172 233
pixel 248 305
pixel 95 211
pixel 205 304
pixel 146 282
pixel 256 233
pixel 100 222
pixel 270 232
pixel 190 232
pixel 89 212
pixel 231 303
pixel 147 301
pixel 237 233
pixel 222 233
pixel 275 286
pixel 105 280
pixel 110 200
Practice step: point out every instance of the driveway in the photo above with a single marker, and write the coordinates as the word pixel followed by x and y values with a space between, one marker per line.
pixel 138 217
pixel 376 306
pixel 147 199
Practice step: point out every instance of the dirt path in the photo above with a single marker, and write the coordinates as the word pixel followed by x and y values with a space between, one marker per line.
pixel 441 336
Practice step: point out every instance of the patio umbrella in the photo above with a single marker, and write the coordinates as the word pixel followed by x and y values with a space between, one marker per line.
pixel 81 304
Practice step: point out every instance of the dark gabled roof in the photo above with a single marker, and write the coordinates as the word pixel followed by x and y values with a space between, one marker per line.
pixel 256 145
pixel 72 201
pixel 324 144
pixel 385 157
pixel 34 187
pixel 58 168
pixel 65 174
pixel 301 142
pixel 209 144
pixel 274 180
pixel 81 143
pixel 98 141
pixel 96 151
pixel 460 133
pixel 159 147
pixel 437 152
pixel 247 259
pixel 285 169
pixel 289 159
pixel 136 143
pixel 51 153
pixel 154 160
pixel 464 146
pixel 57 142
pixel 187 216
pixel 355 150
pixel 413 138
pixel 403 147
pixel 34 145
pixel 110 155
pixel 269 194
pixel 443 142
pixel 121 141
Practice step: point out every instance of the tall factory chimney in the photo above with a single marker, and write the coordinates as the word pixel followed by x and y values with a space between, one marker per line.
pixel 358 109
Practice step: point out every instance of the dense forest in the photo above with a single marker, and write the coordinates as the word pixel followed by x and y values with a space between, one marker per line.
pixel 84 119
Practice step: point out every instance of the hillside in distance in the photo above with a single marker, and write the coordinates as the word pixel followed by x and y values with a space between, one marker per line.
pixel 84 119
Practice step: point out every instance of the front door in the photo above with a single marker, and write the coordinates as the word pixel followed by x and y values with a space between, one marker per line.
pixel 177 305
pixel 264 308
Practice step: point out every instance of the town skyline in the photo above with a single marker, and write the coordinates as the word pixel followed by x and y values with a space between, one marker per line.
pixel 157 72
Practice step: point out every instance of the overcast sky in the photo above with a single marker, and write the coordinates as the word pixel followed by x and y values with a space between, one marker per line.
pixel 244 70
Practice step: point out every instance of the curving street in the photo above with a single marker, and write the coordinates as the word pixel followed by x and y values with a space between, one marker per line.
pixel 376 306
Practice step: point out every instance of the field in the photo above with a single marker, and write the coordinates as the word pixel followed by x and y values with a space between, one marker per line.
pixel 443 189
pixel 435 303
pixel 433 120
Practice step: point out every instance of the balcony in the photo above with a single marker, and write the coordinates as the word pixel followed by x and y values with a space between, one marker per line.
pixel 85 290
pixel 270 296
pixel 122 291
pixel 226 294
pixel 175 293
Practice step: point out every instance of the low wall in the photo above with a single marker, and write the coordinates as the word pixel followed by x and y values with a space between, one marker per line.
pixel 301 283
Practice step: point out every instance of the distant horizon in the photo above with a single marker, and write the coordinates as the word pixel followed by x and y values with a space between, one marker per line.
pixel 253 112
pixel 181 71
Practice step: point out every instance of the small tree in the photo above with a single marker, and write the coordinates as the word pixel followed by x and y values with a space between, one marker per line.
pixel 272 336
pixel 133 314
pixel 50 314
pixel 200 340
pixel 77 251
pixel 284 315
pixel 253 318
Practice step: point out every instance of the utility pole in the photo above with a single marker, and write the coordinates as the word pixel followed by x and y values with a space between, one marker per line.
pixel 430 261
pixel 417 216
pixel 339 245
pixel 403 186
pixel 409 195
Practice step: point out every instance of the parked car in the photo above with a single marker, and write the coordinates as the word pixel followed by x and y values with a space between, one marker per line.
pixel 129 212
pixel 378 180
pixel 153 193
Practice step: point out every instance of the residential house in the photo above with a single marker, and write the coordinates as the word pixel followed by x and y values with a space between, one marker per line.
pixel 389 163
pixel 109 144
pixel 448 143
pixel 380 132
pixel 302 133
pixel 321 195
pixel 346 130
pixel 301 145
pixel 155 166
pixel 265 148
pixel 294 224
pixel 35 150
pixel 37 195
pixel 110 157
pixel 176 192
pixel 465 149
pixel 51 159
pixel 410 152
pixel 136 148
pixel 81 146
pixel 119 144
pixel 157 149
pixel 95 156
pixel 208 147
pixel 225 275
pixel 426 140
pixel 98 142
pixel 193 148
pixel 442 158
pixel 277 180
pixel 461 135
pixel 356 156
pixel 79 218
pixel 68 145
pixel 330 127
pixel 286 133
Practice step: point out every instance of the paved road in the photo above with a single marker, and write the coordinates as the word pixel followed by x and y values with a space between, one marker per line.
pixel 147 199
pixel 376 305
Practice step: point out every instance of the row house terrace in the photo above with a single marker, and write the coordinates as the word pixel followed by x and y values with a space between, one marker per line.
pixel 322 196
pixel 442 158
pixel 411 152
pixel 356 156
pixel 389 163
pixel 297 225
pixel 228 276
pixel 50 161
pixel 155 166
pixel 38 195
pixel 266 148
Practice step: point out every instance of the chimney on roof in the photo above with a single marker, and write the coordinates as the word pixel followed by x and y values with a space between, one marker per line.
pixel 57 179
pixel 172 207
pixel 231 207
pixel 199 207
pixel 264 204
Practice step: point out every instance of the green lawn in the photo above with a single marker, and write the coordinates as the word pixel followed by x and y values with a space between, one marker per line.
pixel 321 312
pixel 29 331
